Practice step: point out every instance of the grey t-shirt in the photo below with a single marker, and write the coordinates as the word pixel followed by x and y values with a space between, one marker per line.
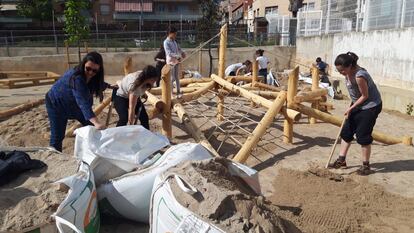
pixel 374 97
pixel 126 84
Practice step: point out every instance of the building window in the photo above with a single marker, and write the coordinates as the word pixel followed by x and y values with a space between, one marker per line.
pixel 105 9
pixel 182 8
pixel 173 8
pixel 310 6
pixel 271 10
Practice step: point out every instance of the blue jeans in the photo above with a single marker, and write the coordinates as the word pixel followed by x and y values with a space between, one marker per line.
pixel 175 77
pixel 58 120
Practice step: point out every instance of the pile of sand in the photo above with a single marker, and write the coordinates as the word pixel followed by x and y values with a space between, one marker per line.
pixel 31 198
pixel 225 200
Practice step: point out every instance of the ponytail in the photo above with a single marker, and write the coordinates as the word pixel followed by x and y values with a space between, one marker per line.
pixel 346 59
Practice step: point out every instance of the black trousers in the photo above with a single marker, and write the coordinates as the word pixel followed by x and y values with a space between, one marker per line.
pixel 122 106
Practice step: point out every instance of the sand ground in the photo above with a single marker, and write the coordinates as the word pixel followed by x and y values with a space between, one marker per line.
pixel 290 174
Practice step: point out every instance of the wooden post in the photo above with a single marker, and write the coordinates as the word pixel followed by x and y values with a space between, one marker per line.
pixel 220 106
pixel 315 86
pixel 222 66
pixel 128 65
pixel 292 90
pixel 255 78
pixel 260 129
pixel 166 98
pixel 200 61
pixel 193 129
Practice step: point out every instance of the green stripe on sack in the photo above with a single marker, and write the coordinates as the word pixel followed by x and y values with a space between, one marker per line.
pixel 107 209
pixel 94 224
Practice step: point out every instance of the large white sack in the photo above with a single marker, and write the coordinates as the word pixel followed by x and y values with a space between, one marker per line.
pixel 168 215
pixel 129 195
pixel 79 211
pixel 126 147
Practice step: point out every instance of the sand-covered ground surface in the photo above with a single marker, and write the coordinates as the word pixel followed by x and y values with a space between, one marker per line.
pixel 291 175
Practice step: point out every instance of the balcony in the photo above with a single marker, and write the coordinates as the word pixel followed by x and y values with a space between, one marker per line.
pixel 156 17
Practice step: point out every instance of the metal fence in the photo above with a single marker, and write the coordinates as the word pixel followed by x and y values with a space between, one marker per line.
pixel 340 16
pixel 132 40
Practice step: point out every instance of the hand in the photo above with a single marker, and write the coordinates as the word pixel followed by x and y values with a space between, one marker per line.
pixel 348 113
pixel 113 86
pixel 99 126
pixel 144 98
pixel 183 55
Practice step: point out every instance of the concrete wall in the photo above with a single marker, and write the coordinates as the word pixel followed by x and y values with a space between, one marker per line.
pixel 113 61
pixel 386 54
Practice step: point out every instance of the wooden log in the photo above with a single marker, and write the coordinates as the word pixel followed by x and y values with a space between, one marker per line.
pixel 255 73
pixel 315 87
pixel 193 129
pixel 266 86
pixel 153 112
pixel 166 98
pixel 292 90
pixel 186 81
pixel 222 51
pixel 220 107
pixel 128 65
pixel 267 94
pixel 154 101
pixel 158 90
pixel 260 129
pixel 309 95
pixel 198 84
pixel 335 120
pixel 196 94
pixel 261 101
pixel 97 110
pixel 20 108
pixel 236 79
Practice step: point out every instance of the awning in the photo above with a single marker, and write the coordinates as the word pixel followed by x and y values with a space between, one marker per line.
pixel 133 6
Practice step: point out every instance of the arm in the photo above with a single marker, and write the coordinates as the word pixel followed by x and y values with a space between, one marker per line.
pixel 133 99
pixel 363 89
pixel 181 51
pixel 84 101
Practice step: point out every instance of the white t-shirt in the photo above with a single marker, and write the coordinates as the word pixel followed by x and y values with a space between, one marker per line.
pixel 233 67
pixel 262 60
pixel 127 83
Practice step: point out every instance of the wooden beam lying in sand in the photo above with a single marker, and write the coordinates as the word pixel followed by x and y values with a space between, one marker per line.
pixel 193 129
pixel 335 120
pixel 235 79
pixel 309 95
pixel 20 108
pixel 267 94
pixel 294 115
pixel 97 110
pixel 260 129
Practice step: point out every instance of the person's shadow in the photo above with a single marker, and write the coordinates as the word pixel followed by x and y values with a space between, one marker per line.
pixel 393 166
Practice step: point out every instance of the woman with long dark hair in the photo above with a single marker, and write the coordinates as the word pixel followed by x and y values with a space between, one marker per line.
pixel 127 99
pixel 362 114
pixel 71 97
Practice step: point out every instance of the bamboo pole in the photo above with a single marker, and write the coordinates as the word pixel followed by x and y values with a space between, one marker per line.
pixel 193 129
pixel 166 98
pixel 315 87
pixel 220 106
pixel 221 69
pixel 97 110
pixel 251 96
pixel 158 90
pixel 267 94
pixel 309 95
pixel 235 79
pixel 292 90
pixel 260 129
pixel 20 108
pixel 335 120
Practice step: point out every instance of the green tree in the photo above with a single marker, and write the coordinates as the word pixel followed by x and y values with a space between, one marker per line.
pixel 39 9
pixel 76 24
pixel 209 22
